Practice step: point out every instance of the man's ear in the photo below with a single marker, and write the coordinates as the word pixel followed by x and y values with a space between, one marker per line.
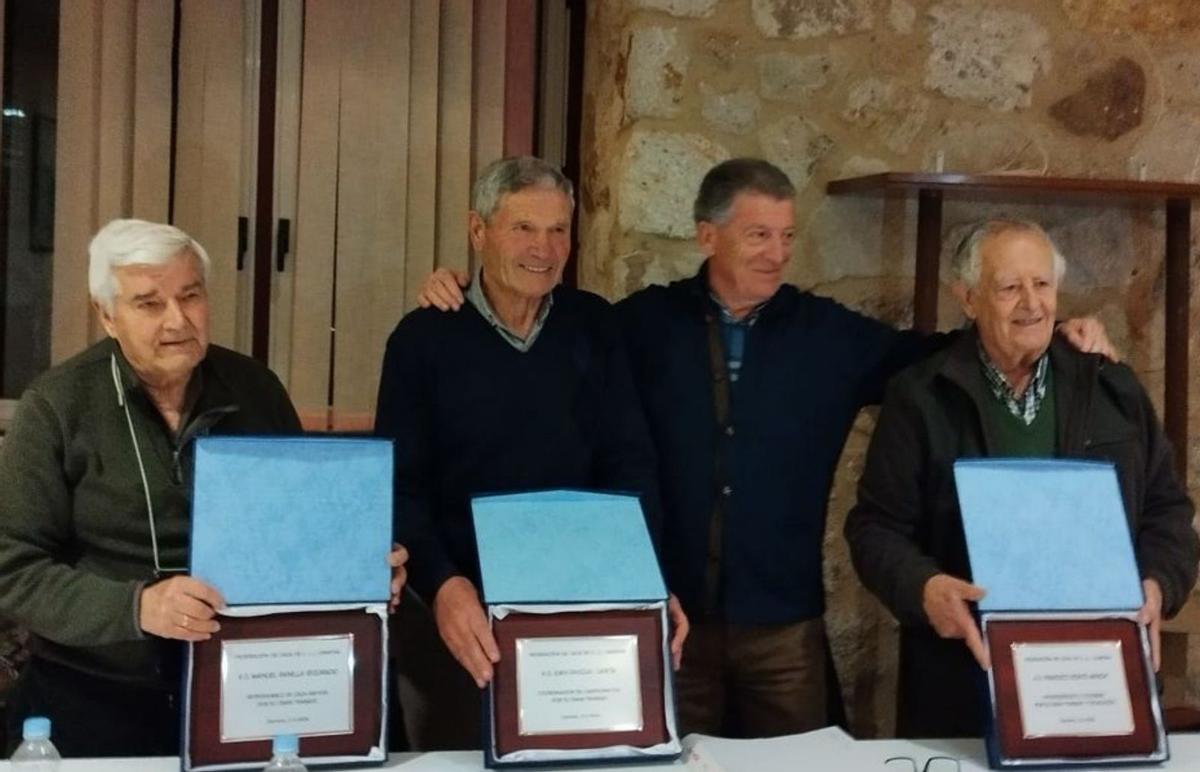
pixel 706 237
pixel 475 230
pixel 966 298
pixel 106 320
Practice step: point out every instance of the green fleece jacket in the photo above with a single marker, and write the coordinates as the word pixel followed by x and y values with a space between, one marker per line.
pixel 75 545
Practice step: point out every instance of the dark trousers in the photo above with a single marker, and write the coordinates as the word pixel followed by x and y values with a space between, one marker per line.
pixel 92 716
pixel 942 691
pixel 441 705
pixel 753 681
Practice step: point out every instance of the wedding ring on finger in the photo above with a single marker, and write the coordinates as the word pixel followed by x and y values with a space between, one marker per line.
pixel 186 623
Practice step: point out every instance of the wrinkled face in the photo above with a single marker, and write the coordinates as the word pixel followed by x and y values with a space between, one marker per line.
pixel 748 252
pixel 160 318
pixel 525 243
pixel 1016 298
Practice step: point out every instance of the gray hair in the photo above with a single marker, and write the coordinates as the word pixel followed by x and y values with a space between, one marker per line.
pixel 728 178
pixel 967 263
pixel 510 175
pixel 134 242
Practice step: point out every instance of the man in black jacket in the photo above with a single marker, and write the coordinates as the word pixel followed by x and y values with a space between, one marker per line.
pixel 1005 388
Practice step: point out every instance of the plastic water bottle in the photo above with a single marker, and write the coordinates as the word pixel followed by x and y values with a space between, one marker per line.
pixel 36 753
pixel 285 755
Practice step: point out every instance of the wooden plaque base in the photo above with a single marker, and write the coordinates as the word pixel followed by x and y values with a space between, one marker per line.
pixel 1002 635
pixel 204 692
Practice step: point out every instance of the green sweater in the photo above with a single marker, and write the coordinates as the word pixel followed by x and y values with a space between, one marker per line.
pixel 1012 437
pixel 75 546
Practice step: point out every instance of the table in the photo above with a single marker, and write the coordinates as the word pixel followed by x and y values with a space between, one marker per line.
pixel 827 749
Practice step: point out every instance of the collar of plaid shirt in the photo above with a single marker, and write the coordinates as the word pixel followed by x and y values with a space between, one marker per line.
pixel 1024 407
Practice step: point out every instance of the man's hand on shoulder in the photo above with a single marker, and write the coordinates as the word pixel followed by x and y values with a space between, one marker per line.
pixel 444 290
pixel 1087 334
pixel 464 627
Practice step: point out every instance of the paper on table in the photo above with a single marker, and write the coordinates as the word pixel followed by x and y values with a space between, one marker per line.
pixel 823 749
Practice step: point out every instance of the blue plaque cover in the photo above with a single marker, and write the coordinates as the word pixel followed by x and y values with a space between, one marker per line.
pixel 293 519
pixel 565 546
pixel 1047 535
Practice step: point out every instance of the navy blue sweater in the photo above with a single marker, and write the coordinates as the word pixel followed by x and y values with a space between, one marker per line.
pixel 809 365
pixel 470 414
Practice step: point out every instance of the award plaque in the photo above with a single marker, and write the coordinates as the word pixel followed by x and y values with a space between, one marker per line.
pixel 1070 688
pixel 314 674
pixel 1071 682
pixel 578 607
pixel 294 532
pixel 579 680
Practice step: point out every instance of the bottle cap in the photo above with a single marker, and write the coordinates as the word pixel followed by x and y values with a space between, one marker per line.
pixel 285 743
pixel 36 728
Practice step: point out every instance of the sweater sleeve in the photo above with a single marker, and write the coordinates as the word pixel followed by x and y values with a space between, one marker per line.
pixel 886 351
pixel 39 588
pixel 625 458
pixel 402 414
pixel 882 527
pixel 1167 545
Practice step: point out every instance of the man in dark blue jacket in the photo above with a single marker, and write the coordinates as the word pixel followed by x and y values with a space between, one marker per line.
pixel 750 388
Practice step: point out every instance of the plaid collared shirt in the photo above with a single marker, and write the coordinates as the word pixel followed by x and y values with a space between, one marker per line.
pixel 1024 407
pixel 476 297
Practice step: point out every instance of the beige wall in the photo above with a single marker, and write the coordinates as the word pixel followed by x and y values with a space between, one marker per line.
pixel 385 109
pixel 837 88
pixel 113 129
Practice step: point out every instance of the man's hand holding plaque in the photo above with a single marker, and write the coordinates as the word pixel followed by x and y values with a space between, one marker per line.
pixel 396 559
pixel 1150 614
pixel 463 625
pixel 679 629
pixel 180 607
pixel 945 599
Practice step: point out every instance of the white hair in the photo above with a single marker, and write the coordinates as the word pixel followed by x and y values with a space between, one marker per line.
pixel 134 242
pixel 967 263
pixel 512 175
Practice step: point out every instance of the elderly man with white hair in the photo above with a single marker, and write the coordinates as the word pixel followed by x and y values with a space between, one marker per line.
pixel 527 388
pixel 94 509
pixel 1006 388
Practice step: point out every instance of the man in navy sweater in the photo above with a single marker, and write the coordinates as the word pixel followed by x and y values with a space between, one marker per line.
pixel 527 388
pixel 750 387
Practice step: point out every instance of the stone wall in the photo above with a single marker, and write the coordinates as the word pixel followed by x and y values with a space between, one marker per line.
pixel 836 88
